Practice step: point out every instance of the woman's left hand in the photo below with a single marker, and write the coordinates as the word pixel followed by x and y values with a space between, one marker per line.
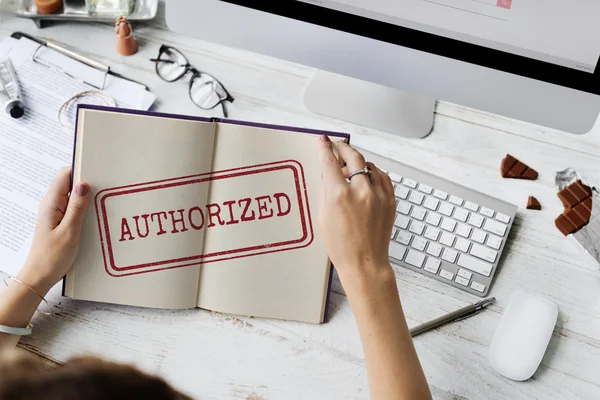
pixel 57 233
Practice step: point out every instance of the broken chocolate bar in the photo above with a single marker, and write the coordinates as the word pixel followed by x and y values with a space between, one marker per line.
pixel 577 199
pixel 574 194
pixel 533 204
pixel 513 168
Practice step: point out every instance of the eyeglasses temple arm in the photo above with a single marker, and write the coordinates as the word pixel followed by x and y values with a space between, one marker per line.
pixel 225 114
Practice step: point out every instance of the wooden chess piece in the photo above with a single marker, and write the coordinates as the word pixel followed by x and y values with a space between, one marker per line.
pixel 126 44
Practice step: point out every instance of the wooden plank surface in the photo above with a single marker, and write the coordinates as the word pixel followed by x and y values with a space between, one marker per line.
pixel 211 355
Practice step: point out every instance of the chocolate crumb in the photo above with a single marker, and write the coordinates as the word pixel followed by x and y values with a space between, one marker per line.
pixel 533 204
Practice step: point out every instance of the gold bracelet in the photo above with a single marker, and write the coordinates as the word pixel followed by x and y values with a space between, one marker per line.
pixel 34 291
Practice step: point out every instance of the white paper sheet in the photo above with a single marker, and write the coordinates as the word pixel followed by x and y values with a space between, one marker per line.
pixel 34 147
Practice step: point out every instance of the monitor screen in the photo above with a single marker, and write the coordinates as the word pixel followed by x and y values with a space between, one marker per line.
pixel 562 32
pixel 555 41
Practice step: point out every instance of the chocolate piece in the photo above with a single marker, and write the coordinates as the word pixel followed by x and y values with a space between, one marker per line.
pixel 533 204
pixel 564 225
pixel 574 194
pixel 584 209
pixel 575 219
pixel 577 199
pixel 513 168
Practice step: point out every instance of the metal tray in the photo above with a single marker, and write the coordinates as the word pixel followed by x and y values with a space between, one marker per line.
pixel 76 10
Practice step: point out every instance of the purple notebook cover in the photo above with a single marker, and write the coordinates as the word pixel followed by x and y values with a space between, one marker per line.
pixel 203 119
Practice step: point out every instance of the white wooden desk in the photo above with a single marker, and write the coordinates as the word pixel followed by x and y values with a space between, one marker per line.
pixel 211 356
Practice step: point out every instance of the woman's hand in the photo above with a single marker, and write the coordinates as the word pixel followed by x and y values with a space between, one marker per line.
pixel 356 218
pixel 57 233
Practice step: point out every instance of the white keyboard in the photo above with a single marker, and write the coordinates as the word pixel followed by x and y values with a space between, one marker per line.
pixel 447 231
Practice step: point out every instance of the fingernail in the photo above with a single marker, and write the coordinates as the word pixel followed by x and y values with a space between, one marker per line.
pixel 82 189
pixel 325 138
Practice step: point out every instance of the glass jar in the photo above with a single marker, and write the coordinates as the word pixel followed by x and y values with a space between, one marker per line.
pixel 113 7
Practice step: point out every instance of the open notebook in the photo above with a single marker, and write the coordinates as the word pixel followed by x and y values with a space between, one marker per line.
pixel 194 212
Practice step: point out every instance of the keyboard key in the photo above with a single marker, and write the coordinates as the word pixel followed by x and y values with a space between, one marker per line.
pixel 404 237
pixel 394 230
pixel 495 227
pixel 402 192
pixel 462 281
pixel 403 207
pixel 419 244
pixel 417 227
pixel 463 230
pixel 456 200
pixel 483 252
pixel 395 177
pixel 440 194
pixel 434 249
pixel 449 255
pixel 446 274
pixel 503 218
pixel 416 197
pixel 447 239
pixel 432 265
pixel 410 183
pixel 396 251
pixel 478 236
pixel 478 286
pixel 474 264
pixel 476 220
pixel 432 233
pixel 431 203
pixel 462 245
pixel 464 273
pixel 448 224
pixel 469 205
pixel 418 213
pixel 488 212
pixel 461 214
pixel 425 188
pixel 446 209
pixel 494 242
pixel 401 221
pixel 433 219
pixel 415 258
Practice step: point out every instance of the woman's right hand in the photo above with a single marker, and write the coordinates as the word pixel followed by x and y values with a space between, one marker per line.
pixel 356 217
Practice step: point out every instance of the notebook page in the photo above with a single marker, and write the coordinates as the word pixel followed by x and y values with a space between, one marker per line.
pixel 121 258
pixel 285 272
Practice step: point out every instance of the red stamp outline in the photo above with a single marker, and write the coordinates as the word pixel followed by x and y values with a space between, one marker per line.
pixel 302 198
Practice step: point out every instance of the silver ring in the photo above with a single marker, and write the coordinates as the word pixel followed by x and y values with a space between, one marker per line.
pixel 363 171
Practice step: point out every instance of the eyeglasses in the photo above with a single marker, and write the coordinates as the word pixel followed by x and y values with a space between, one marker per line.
pixel 205 90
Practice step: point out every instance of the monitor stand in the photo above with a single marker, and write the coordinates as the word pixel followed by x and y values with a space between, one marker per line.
pixel 371 105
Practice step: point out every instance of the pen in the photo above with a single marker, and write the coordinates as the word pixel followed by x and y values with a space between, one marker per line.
pixel 457 315
pixel 81 58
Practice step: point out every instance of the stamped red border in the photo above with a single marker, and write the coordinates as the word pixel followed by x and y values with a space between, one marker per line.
pixel 302 198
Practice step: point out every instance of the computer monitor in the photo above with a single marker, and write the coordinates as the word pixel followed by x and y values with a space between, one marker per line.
pixel 534 60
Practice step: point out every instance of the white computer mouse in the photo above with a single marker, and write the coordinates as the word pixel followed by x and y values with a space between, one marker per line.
pixel 523 335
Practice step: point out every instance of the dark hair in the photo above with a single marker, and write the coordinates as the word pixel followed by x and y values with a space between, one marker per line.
pixel 87 378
